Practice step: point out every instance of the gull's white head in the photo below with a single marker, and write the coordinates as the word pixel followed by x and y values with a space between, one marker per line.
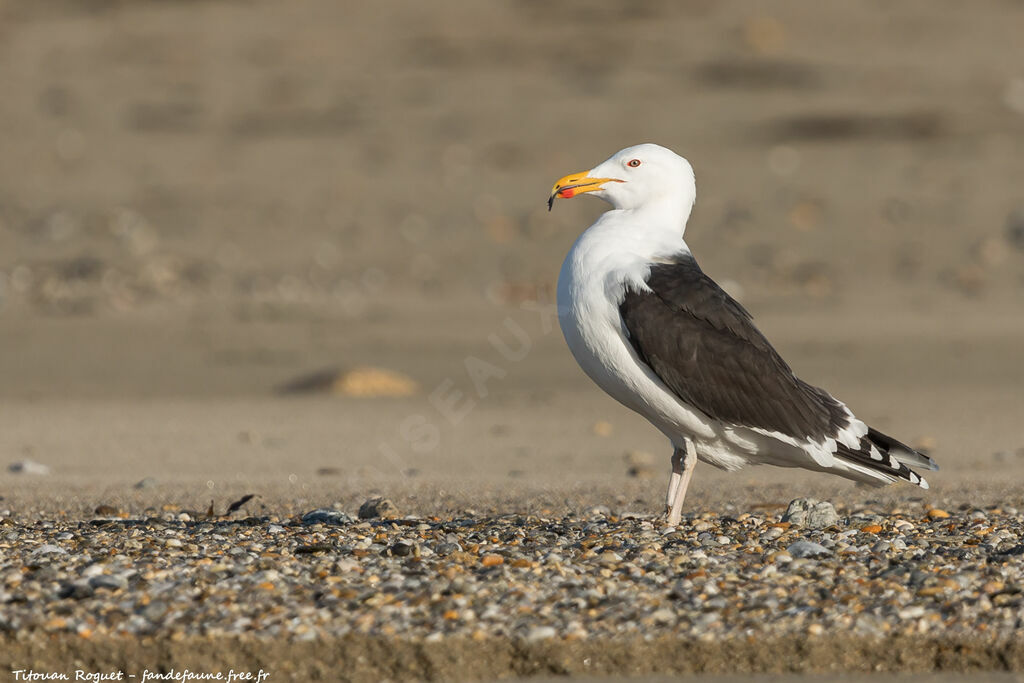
pixel 637 177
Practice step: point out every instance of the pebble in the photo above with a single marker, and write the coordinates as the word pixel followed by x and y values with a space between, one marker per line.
pixel 718 574
pixel 108 581
pixel 402 548
pixel 541 633
pixel 640 465
pixel 29 467
pixel 663 616
pixel 811 513
pixel 378 507
pixel 445 549
pixel 327 516
pixel 49 549
pixel 807 549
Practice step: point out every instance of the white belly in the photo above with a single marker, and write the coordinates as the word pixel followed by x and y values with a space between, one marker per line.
pixel 589 292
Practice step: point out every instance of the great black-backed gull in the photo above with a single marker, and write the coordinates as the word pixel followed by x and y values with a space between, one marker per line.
pixel 656 333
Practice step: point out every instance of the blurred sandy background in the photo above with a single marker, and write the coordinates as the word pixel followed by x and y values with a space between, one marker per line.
pixel 203 201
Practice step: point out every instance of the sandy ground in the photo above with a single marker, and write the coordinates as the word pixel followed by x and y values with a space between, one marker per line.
pixel 358 659
pixel 540 427
pixel 200 202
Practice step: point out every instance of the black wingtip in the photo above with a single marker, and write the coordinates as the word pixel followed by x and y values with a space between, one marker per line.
pixel 908 456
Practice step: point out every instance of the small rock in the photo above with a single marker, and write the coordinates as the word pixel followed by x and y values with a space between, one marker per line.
pixel 49 549
pixel 664 616
pixel 444 549
pixel 811 513
pixel 78 590
pixel 640 472
pixel 371 382
pixel 328 471
pixel 492 560
pixel 154 611
pixel 936 513
pixel 108 581
pixel 639 464
pixel 708 618
pixel 145 483
pixel 327 516
pixel 363 382
pixel 911 612
pixel 638 458
pixel 92 570
pixel 29 467
pixel 402 548
pixel 378 507
pixel 807 549
pixel 541 633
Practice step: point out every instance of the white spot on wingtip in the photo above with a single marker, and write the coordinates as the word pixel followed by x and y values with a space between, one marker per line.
pixel 914 479
pixel 923 483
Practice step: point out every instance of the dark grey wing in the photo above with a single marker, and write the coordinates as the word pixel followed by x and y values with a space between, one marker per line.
pixel 703 345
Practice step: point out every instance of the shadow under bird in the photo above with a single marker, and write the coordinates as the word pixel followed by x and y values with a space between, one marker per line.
pixel 662 338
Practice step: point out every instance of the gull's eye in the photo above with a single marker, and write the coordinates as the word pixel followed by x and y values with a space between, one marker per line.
pixel 634 163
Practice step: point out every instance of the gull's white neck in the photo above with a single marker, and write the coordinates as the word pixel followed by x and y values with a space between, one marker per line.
pixel 613 255
pixel 650 232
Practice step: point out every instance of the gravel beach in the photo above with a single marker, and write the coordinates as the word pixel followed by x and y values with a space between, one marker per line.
pixel 876 586
pixel 282 250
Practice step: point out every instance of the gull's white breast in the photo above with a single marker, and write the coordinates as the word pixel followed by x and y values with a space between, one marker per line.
pixel 591 285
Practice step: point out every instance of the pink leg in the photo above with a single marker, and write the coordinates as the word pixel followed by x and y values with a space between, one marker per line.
pixel 683 462
pixel 673 482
